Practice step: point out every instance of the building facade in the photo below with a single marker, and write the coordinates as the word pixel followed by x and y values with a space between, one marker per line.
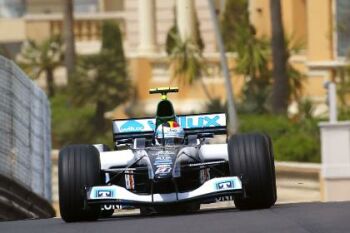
pixel 322 27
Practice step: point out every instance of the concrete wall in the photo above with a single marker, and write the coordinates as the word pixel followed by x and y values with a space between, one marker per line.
pixel 12 30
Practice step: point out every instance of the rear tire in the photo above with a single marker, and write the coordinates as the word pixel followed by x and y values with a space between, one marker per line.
pixel 79 166
pixel 251 157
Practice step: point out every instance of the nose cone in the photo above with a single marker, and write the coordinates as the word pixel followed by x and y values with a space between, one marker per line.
pixel 162 162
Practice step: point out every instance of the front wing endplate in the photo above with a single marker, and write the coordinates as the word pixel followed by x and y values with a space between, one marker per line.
pixel 117 194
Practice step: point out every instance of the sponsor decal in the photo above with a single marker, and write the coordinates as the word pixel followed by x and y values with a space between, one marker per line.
pixel 187 122
pixel 199 122
pixel 131 126
pixel 110 207
pixel 104 193
pixel 151 124
pixel 116 207
pixel 163 170
pixel 224 185
pixel 129 181
pixel 163 162
pixel 225 198
pixel 165 152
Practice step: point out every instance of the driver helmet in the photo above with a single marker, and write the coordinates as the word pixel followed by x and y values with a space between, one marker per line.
pixel 171 133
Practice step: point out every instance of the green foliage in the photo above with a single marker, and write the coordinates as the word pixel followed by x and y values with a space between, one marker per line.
pixel 101 78
pixel 170 42
pixel 112 38
pixel 99 84
pixel 253 58
pixel 72 124
pixel 252 62
pixel 38 57
pixel 235 16
pixel 343 91
pixel 216 105
pixel 171 39
pixel 4 52
pixel 293 141
pixel 306 109
pixel 45 57
pixel 295 78
pixel 186 58
pixel 187 61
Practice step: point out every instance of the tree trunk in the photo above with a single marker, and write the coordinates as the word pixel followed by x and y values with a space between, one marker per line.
pixel 50 83
pixel 68 25
pixel 280 90
pixel 99 116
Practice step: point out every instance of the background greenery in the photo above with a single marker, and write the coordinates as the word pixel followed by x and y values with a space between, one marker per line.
pixel 100 83
pixel 292 140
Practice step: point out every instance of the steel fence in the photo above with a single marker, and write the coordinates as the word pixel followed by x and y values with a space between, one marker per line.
pixel 25 130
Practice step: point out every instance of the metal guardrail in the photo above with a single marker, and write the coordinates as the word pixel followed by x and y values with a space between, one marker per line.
pixel 25 135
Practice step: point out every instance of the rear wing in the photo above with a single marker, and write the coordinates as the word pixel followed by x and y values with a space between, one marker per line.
pixel 193 124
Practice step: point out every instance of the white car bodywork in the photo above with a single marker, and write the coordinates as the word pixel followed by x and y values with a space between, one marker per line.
pixel 198 153
pixel 123 158
pixel 214 186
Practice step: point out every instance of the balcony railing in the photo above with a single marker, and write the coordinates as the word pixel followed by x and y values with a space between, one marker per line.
pixel 87 27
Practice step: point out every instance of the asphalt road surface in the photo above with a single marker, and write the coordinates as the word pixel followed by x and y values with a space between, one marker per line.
pixel 283 218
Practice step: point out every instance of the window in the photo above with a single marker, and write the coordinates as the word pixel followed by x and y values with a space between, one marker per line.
pixel 86 6
pixel 343 27
pixel 12 8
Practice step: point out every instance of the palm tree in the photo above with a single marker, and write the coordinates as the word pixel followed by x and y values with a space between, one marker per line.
pixel 45 57
pixel 68 35
pixel 235 15
pixel 295 77
pixel 280 87
pixel 186 59
pixel 252 63
pixel 252 55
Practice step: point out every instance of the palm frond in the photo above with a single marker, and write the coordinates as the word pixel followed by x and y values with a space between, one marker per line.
pixel 186 59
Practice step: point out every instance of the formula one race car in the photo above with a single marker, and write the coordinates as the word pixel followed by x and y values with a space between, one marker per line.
pixel 166 164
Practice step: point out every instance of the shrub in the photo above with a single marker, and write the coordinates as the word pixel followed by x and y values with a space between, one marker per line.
pixel 292 141
pixel 74 125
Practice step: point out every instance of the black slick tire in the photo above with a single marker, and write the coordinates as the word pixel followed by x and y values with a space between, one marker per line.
pixel 251 158
pixel 79 166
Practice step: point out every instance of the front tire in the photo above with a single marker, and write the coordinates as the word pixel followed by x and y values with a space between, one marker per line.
pixel 251 157
pixel 79 166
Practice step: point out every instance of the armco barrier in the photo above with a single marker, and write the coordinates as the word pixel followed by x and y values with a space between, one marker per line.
pixel 25 137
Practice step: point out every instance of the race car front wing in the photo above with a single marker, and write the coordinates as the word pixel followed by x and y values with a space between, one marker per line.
pixel 113 194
